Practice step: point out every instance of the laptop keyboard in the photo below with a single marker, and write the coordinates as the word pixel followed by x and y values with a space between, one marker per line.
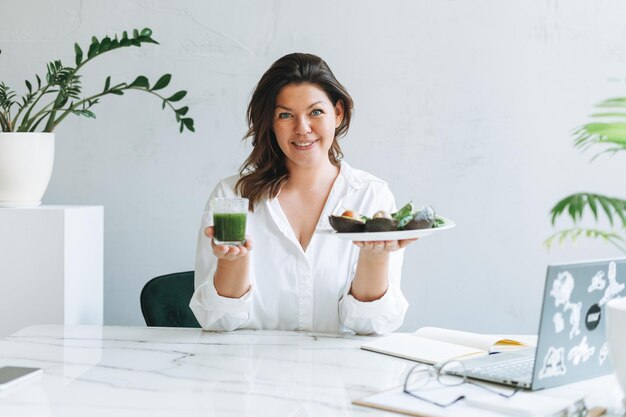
pixel 514 369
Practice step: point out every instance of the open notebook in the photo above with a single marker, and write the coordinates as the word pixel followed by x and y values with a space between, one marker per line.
pixel 434 344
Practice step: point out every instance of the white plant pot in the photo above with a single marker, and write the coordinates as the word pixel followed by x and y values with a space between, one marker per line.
pixel 26 161
pixel 616 338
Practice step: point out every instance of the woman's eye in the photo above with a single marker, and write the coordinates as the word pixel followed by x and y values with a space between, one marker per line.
pixel 283 115
pixel 317 112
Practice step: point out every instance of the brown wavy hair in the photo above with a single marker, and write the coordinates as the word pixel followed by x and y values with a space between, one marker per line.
pixel 264 171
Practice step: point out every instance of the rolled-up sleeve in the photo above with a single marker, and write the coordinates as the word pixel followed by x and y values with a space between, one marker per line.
pixel 379 316
pixel 213 311
pixel 385 314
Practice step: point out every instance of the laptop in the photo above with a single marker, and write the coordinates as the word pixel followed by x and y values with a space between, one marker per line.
pixel 571 342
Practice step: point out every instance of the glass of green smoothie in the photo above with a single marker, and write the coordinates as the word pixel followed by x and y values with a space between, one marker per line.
pixel 229 220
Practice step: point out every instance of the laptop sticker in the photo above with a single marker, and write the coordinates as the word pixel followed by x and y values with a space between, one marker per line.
pixel 559 323
pixel 597 282
pixel 592 319
pixel 604 353
pixel 574 317
pixel 581 352
pixel 553 363
pixel 614 288
pixel 562 288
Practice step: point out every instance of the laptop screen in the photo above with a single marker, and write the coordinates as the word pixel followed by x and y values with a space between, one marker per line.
pixel 572 343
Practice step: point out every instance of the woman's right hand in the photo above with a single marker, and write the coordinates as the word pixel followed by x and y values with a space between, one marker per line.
pixel 228 253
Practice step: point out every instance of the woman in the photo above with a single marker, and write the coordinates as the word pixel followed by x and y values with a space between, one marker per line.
pixel 296 278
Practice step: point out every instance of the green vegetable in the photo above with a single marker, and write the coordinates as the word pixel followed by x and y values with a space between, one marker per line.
pixel 404 215
pixel 439 222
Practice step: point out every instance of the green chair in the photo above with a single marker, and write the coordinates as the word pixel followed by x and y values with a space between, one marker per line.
pixel 165 300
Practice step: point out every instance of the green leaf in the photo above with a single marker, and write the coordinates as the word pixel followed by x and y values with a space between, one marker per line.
pixel 182 111
pixel 177 96
pixel 146 32
pixel 29 86
pixel 135 33
pixel 613 102
pixel 572 234
pixel 141 82
pixel 117 92
pixel 105 45
pixel 79 54
pixel 107 84
pixel 162 82
pixel 84 112
pixel 606 206
pixel 188 122
pixel 559 207
pixel 406 210
pixel 93 50
pixel 60 101
pixel 592 205
pixel 610 114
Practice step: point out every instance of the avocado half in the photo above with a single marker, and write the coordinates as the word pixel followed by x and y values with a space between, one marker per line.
pixel 423 219
pixel 381 224
pixel 346 225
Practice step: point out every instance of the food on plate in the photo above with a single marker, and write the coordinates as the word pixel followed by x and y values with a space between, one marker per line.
pixel 423 219
pixel 348 222
pixel 381 222
pixel 407 218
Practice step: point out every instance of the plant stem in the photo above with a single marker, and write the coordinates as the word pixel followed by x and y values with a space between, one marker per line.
pixel 78 103
pixel 50 123
pixel 4 123
pixel 29 106
pixel 26 118
pixel 83 101
pixel 41 112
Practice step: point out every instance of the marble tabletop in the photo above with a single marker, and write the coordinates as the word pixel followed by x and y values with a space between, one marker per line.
pixel 140 371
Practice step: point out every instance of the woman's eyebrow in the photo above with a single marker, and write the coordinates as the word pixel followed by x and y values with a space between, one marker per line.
pixel 288 109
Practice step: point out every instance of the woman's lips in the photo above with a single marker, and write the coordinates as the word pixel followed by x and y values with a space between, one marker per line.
pixel 303 145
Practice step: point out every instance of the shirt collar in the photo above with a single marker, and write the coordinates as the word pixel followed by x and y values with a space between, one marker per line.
pixel 353 180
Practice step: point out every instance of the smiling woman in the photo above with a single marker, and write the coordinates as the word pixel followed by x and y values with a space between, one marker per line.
pixel 305 132
pixel 294 178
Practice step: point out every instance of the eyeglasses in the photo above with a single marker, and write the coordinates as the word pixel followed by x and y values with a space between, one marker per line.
pixel 450 374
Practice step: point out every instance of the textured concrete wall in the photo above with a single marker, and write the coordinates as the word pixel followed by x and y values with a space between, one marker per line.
pixel 467 106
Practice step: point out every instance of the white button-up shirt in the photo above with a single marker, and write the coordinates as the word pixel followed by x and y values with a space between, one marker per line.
pixel 293 289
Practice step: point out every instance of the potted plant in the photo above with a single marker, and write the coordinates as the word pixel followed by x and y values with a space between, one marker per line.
pixel 27 123
pixel 609 131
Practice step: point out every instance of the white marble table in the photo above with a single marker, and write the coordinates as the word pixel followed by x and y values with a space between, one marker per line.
pixel 138 371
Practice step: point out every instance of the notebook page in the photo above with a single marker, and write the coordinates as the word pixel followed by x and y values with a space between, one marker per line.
pixel 476 340
pixel 412 347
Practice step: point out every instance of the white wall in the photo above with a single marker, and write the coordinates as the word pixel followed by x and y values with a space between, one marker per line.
pixel 465 105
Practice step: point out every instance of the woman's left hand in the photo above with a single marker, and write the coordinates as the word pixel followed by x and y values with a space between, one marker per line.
pixel 383 246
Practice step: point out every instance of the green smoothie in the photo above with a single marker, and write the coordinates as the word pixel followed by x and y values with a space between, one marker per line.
pixel 230 228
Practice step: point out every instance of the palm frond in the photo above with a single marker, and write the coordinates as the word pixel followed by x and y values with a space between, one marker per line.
pixel 574 233
pixel 576 204
pixel 609 130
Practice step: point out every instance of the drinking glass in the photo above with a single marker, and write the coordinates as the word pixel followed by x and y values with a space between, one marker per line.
pixel 229 220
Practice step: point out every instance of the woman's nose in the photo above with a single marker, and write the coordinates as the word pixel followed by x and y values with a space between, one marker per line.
pixel 303 126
